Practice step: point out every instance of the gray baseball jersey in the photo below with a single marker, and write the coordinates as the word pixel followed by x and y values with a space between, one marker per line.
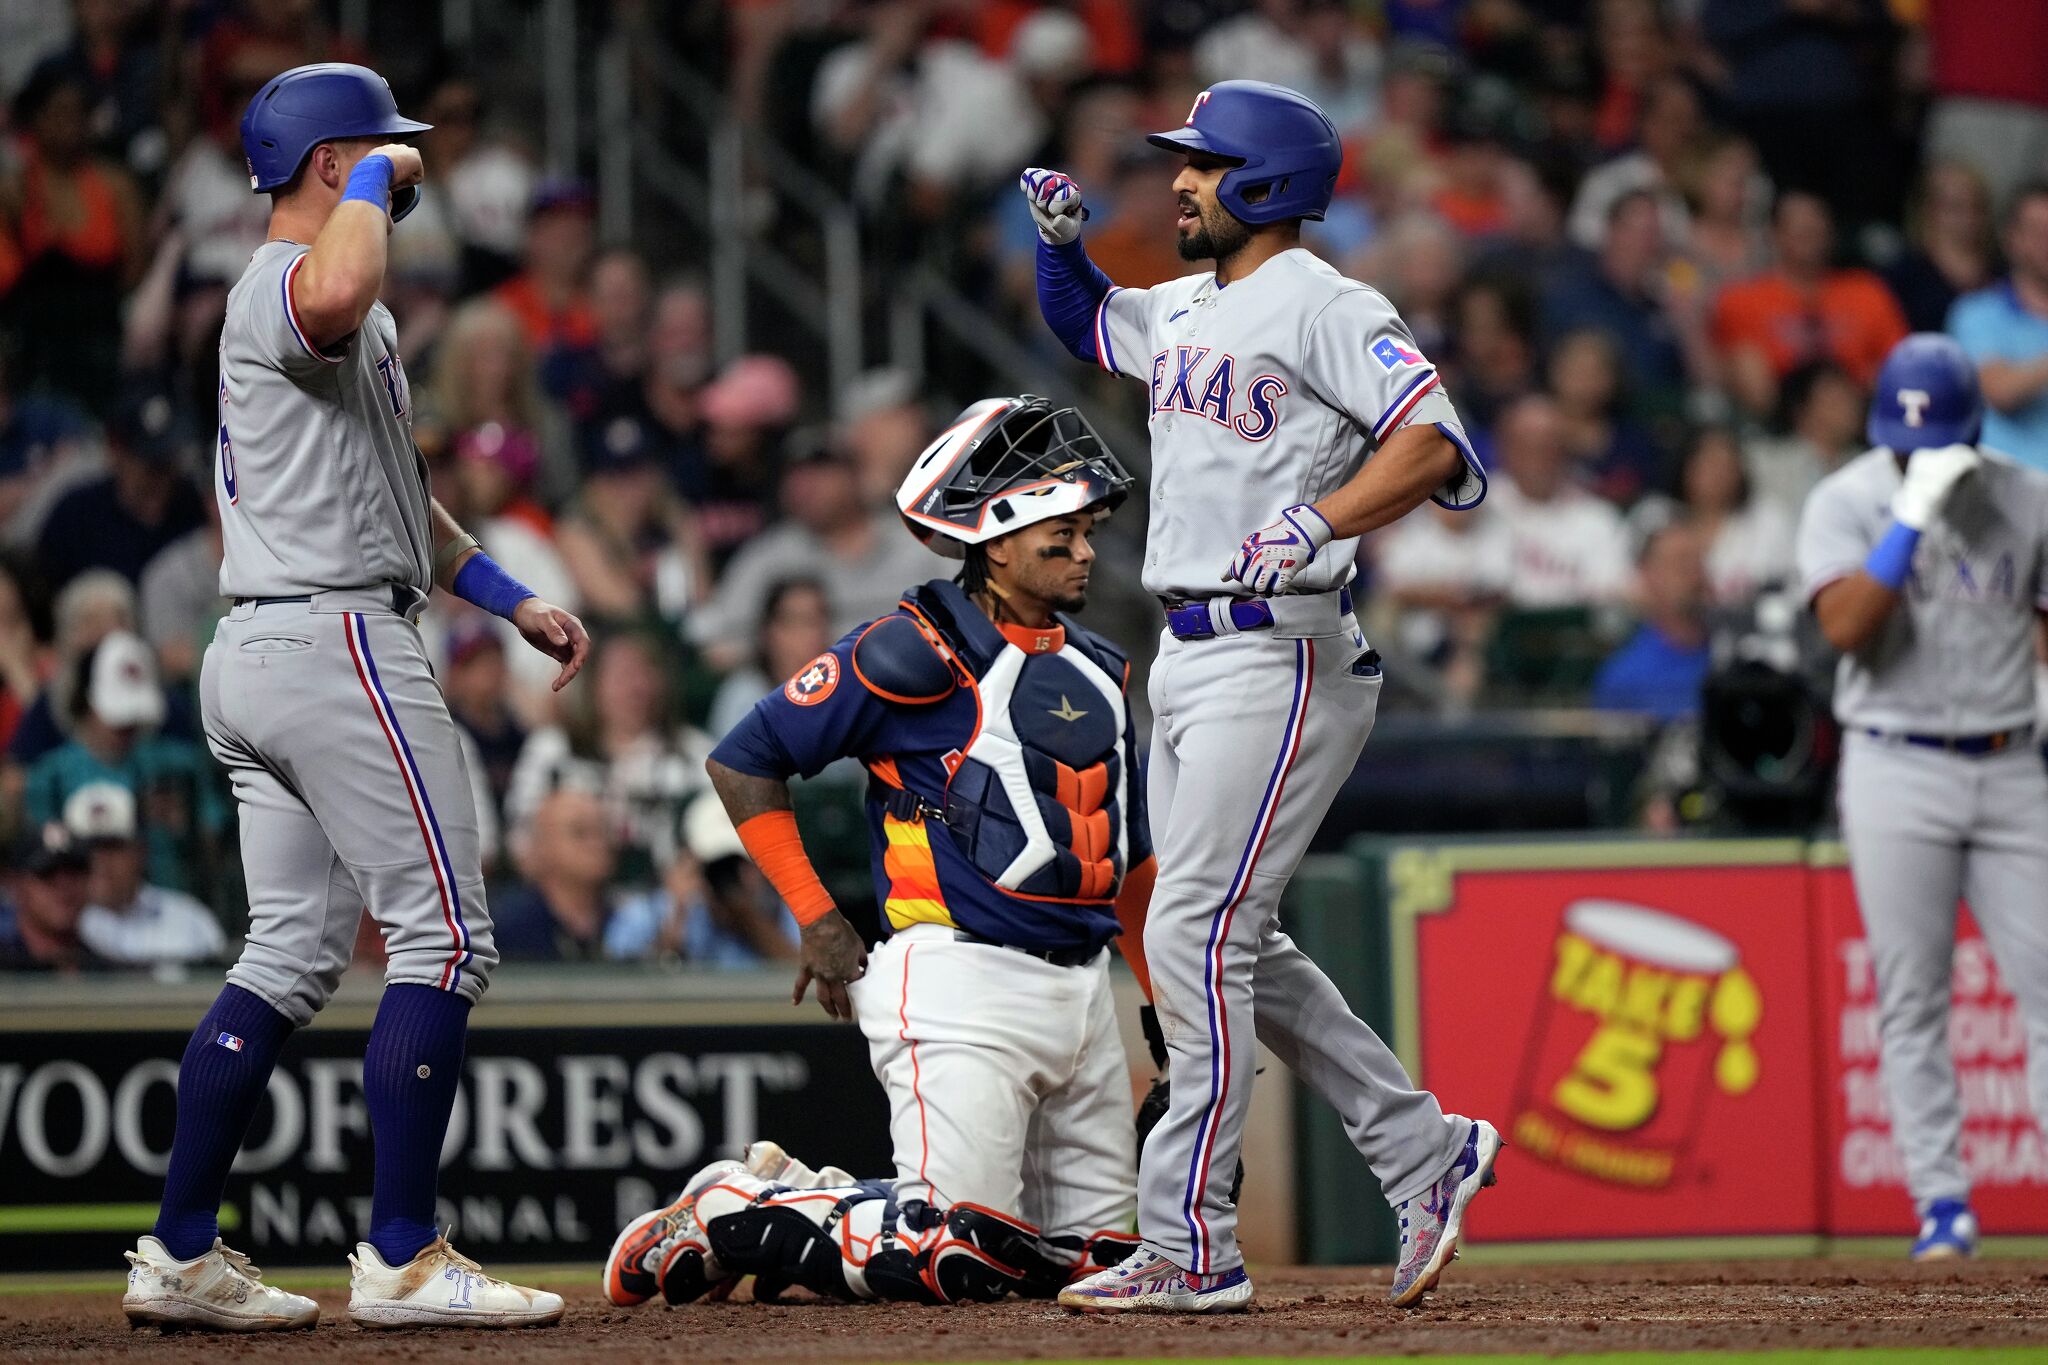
pixel 1927 827
pixel 1271 392
pixel 1957 655
pixel 323 707
pixel 319 483
pixel 1265 394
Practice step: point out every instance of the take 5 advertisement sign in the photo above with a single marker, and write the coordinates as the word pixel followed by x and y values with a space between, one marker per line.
pixel 1681 1039
pixel 1640 1033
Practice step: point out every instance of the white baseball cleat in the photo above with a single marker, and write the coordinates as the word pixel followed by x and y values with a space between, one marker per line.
pixel 441 1287
pixel 217 1292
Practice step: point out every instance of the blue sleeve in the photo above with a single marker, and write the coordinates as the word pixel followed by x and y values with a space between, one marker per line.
pixel 1070 290
pixel 821 715
pixel 1137 816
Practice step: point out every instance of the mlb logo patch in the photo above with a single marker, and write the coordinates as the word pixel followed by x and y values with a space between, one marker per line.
pixel 230 1042
pixel 1392 354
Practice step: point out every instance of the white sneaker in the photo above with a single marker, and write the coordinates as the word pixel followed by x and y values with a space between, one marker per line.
pixel 768 1161
pixel 220 1291
pixel 440 1287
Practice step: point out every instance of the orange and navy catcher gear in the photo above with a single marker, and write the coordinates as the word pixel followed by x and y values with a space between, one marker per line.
pixel 1004 796
pixel 1004 464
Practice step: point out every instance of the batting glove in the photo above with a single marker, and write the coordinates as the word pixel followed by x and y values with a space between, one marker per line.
pixel 1055 205
pixel 1931 476
pixel 1268 560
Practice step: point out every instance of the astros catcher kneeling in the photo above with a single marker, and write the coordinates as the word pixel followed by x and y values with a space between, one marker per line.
pixel 1009 839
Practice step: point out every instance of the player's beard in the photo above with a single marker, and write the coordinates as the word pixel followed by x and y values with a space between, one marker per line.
pixel 1219 236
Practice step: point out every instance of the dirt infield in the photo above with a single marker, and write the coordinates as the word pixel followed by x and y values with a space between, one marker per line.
pixel 1299 1312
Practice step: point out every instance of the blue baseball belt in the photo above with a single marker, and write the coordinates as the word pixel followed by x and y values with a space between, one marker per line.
pixel 1190 620
pixel 1971 745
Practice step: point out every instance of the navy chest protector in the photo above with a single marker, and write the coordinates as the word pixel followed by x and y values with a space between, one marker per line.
pixel 1035 801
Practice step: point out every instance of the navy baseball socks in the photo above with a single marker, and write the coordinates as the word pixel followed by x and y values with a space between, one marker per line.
pixel 220 1081
pixel 410 1070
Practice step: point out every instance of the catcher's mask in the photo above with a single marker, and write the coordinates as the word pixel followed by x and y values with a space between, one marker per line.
pixel 1004 464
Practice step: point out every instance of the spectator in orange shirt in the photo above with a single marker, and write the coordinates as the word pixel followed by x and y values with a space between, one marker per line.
pixel 550 295
pixel 1803 310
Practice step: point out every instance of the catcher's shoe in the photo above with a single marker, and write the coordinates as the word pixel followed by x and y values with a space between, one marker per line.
pixel 664 1251
pixel 1432 1220
pixel 1948 1232
pixel 1146 1282
pixel 770 1162
pixel 440 1287
pixel 218 1292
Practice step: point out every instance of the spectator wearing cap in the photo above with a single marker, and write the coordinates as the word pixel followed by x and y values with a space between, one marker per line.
pixel 77 226
pixel 1570 548
pixel 47 893
pixel 94 605
pixel 566 852
pixel 126 919
pixel 114 738
pixel 550 295
pixel 828 532
pixel 2004 328
pixel 795 628
pixel 477 684
pixel 1804 309
pixel 629 546
pixel 747 409
pixel 1659 671
pixel 180 597
pixel 623 739
pixel 143 503
pixel 713 907
pixel 1667 140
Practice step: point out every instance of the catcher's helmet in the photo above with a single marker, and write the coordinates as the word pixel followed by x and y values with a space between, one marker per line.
pixel 1280 141
pixel 308 105
pixel 1927 396
pixel 1004 464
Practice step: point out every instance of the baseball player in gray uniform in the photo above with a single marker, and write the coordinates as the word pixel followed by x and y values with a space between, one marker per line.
pixel 1272 380
pixel 1926 560
pixel 318 698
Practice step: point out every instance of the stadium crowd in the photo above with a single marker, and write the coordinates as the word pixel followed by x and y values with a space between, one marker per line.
pixel 1658 247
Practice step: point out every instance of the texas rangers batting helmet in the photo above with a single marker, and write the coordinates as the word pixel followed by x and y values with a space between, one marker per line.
pixel 1283 145
pixel 308 105
pixel 1004 464
pixel 1927 396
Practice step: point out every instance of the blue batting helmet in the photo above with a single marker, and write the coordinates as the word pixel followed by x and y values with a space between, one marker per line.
pixel 1281 142
pixel 1927 396
pixel 308 105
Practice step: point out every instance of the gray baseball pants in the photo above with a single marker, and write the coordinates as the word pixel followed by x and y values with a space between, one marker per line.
pixel 1925 829
pixel 1252 736
pixel 350 783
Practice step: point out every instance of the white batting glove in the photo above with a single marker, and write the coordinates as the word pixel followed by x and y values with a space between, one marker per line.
pixel 1055 204
pixel 1931 476
pixel 1269 559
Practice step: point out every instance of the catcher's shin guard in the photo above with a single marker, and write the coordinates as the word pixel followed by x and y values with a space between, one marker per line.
pixel 821 1239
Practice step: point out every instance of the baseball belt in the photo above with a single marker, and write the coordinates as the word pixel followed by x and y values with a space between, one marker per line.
pixel 1974 746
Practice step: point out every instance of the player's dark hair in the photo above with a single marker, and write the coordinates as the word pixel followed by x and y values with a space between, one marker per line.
pixel 973 577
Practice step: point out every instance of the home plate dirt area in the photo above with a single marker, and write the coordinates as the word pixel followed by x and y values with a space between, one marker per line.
pixel 1736 1306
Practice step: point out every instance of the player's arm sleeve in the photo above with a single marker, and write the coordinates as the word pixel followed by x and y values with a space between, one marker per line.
pixel 1094 319
pixel 1360 358
pixel 1831 543
pixel 267 320
pixel 1141 868
pixel 819 716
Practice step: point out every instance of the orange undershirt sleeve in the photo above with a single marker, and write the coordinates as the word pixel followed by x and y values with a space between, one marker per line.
pixel 778 850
